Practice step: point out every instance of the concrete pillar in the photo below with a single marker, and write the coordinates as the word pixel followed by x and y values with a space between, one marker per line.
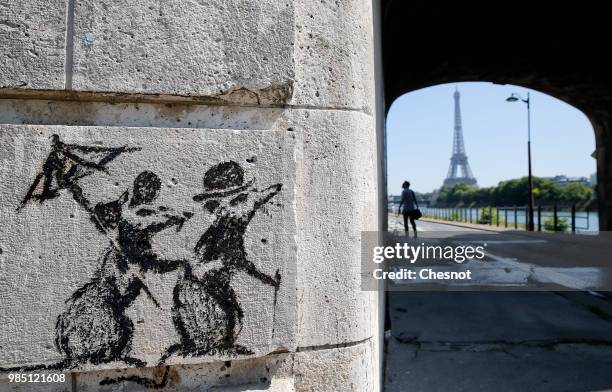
pixel 182 192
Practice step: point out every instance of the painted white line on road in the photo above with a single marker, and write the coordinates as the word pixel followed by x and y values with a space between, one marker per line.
pixel 506 272
pixel 578 278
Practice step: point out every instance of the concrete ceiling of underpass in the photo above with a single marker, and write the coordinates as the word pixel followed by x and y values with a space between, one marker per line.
pixel 561 50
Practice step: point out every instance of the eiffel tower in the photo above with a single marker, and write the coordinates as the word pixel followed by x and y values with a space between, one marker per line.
pixel 459 170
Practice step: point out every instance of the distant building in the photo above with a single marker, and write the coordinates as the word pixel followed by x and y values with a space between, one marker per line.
pixel 394 198
pixel 562 180
pixel 424 199
pixel 593 179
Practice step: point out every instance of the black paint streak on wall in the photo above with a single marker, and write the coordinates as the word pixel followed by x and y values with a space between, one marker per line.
pixel 144 381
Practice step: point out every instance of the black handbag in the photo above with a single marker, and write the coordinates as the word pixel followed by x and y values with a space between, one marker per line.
pixel 416 214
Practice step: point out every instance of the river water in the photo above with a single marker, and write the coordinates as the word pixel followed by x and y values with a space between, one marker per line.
pixel 585 221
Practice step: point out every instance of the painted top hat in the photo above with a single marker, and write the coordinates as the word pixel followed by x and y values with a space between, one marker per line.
pixel 222 180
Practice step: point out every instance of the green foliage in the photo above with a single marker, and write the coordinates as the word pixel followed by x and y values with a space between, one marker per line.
pixel 562 224
pixel 485 217
pixel 423 198
pixel 514 193
pixel 454 216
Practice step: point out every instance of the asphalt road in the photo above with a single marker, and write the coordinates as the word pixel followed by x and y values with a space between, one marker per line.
pixel 521 260
pixel 500 341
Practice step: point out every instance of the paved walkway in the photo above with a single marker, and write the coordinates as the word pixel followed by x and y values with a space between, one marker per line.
pixel 498 341
pixel 526 259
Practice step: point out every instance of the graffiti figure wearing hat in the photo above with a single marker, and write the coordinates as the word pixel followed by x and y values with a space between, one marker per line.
pixel 206 311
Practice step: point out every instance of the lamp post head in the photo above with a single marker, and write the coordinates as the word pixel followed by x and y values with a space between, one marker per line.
pixel 512 98
pixel 516 97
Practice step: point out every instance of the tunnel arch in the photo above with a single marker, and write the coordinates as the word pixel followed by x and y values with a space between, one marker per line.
pixel 536 46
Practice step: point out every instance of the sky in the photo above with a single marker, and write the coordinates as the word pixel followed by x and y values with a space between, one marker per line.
pixel 420 136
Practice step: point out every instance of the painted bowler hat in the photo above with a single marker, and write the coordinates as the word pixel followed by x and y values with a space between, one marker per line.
pixel 223 179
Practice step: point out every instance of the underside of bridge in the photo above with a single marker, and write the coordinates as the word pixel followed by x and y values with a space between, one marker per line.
pixel 559 50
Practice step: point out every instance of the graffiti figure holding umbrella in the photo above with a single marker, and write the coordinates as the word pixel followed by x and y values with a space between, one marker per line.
pixel 94 328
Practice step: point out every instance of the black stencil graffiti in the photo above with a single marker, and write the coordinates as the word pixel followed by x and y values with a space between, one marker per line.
pixel 102 303
pixel 65 165
pixel 206 310
pixel 146 188
pixel 95 328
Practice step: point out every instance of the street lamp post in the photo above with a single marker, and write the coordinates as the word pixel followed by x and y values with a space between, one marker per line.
pixel 513 98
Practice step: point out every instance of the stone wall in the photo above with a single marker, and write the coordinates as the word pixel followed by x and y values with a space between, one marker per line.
pixel 182 192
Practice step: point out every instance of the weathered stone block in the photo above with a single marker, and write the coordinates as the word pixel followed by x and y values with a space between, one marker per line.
pixel 347 369
pixel 335 203
pixel 271 373
pixel 242 51
pixel 129 247
pixel 32 36
pixel 335 199
pixel 239 50
pixel 335 369
pixel 138 115
pixel 334 54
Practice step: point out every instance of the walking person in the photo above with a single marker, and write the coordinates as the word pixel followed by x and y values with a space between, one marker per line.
pixel 408 207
